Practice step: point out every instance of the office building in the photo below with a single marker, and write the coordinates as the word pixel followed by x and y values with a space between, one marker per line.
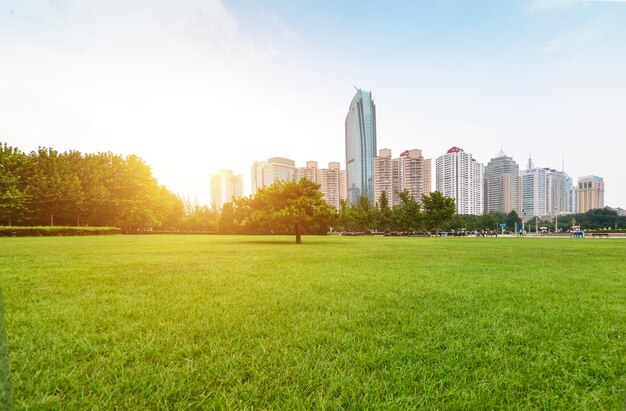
pixel 533 198
pixel 590 193
pixel 266 173
pixel 225 186
pixel 502 185
pixel 360 137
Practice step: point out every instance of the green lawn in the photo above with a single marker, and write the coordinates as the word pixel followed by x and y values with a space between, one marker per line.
pixel 194 322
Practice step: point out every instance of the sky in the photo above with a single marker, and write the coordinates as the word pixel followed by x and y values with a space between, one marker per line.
pixel 195 86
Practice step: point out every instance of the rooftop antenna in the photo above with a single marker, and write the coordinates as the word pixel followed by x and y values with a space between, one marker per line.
pixel 356 88
pixel 563 163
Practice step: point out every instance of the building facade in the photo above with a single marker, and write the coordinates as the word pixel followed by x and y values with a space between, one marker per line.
pixel 590 193
pixel 460 176
pixel 410 172
pixel 502 185
pixel 533 197
pixel 225 186
pixel 360 138
pixel 266 173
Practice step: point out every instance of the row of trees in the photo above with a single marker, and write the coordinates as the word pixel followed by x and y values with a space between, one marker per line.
pixel 297 207
pixel 46 187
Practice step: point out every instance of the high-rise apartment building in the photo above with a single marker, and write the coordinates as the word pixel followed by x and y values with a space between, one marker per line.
pixel 225 186
pixel 409 172
pixel 502 185
pixel 459 176
pixel 360 132
pixel 310 171
pixel 383 177
pixel 590 193
pixel 343 185
pixel 329 181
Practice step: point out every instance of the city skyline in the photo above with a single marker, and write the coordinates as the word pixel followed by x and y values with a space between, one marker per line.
pixel 194 87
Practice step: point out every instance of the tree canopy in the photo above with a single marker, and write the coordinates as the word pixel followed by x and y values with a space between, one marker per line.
pixel 285 206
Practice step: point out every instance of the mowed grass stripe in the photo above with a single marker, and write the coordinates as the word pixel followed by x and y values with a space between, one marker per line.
pixel 258 322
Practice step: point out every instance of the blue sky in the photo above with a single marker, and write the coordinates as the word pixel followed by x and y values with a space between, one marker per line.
pixel 193 86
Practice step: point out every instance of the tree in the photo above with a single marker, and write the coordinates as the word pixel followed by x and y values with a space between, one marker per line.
pixel 407 215
pixel 363 214
pixel 511 219
pixel 438 209
pixel 14 190
pixel 286 204
pixel 384 213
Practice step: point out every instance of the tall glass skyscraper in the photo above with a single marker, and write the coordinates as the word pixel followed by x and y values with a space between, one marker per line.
pixel 361 146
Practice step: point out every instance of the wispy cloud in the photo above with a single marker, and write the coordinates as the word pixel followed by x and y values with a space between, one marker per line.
pixel 594 31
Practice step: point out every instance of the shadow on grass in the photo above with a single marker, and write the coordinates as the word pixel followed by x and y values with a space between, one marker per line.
pixel 270 240
pixel 6 392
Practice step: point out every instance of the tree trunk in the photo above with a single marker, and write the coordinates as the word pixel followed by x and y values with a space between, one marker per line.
pixel 298 234
pixel 52 220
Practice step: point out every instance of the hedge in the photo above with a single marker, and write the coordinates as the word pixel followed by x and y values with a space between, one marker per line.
pixel 20 231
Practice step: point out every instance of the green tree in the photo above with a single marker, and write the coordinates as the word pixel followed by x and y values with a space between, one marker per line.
pixel 363 214
pixel 511 219
pixel 384 213
pixel 407 215
pixel 286 204
pixel 14 190
pixel 438 209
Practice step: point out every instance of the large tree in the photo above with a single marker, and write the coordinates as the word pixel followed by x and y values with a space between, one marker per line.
pixel 438 209
pixel 407 215
pixel 293 205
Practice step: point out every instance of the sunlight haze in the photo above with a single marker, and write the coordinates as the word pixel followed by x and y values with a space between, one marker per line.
pixel 196 86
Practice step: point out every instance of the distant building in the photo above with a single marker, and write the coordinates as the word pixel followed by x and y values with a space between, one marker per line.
pixel 360 133
pixel 343 185
pixel 590 193
pixel 571 203
pixel 556 191
pixel 460 176
pixel 409 172
pixel 257 175
pixel 329 180
pixel 225 186
pixel 383 175
pixel 310 171
pixel 266 173
pixel 502 185
pixel 533 182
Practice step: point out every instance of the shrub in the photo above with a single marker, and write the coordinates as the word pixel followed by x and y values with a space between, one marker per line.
pixel 20 231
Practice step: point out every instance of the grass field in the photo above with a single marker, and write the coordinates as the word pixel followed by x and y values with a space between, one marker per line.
pixel 257 322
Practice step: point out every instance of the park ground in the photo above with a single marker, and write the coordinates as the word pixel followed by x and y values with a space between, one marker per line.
pixel 149 322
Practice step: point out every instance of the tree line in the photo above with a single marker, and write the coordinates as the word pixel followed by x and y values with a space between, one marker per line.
pixel 46 187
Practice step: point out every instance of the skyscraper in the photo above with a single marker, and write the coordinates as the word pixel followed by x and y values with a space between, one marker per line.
pixel 502 185
pixel 360 131
pixel 460 176
pixel 533 183
pixel 225 186
pixel 590 193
